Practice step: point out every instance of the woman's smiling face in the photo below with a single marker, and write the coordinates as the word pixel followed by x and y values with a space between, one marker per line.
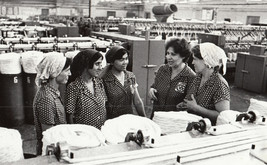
pixel 97 68
pixel 173 59
pixel 121 64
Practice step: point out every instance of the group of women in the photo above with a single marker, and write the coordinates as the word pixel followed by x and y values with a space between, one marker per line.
pixel 94 94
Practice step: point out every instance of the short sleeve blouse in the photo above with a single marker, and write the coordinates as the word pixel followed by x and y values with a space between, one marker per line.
pixel 48 109
pixel 120 97
pixel 87 108
pixel 171 91
pixel 211 92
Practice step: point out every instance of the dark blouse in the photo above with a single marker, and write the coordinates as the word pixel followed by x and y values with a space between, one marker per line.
pixel 48 109
pixel 171 91
pixel 120 97
pixel 87 108
pixel 214 90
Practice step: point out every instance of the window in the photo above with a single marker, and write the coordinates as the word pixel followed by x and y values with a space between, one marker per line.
pixel 45 12
pixel 253 19
pixel 147 15
pixel 111 13
pixel 10 11
pixel 207 14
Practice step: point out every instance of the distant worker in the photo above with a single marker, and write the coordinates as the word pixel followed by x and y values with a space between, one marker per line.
pixel 87 27
pixel 81 26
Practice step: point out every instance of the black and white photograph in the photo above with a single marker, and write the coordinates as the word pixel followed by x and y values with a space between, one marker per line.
pixel 149 82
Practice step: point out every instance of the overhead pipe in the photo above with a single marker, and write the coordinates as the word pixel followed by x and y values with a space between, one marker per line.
pixel 165 9
pixel 161 13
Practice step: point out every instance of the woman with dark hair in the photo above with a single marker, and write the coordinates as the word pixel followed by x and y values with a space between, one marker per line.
pixel 48 109
pixel 209 93
pixel 121 85
pixel 172 79
pixel 85 96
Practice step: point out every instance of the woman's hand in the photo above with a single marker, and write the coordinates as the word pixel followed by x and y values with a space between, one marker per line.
pixel 181 106
pixel 152 93
pixel 192 105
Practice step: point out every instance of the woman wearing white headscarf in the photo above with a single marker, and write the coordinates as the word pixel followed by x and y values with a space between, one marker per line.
pixel 48 109
pixel 209 94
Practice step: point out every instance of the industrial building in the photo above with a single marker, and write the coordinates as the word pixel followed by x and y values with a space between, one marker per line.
pixel 31 31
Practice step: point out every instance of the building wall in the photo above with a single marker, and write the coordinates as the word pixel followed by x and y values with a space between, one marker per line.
pixel 240 14
pixel 237 10
pixel 102 12
pixel 26 8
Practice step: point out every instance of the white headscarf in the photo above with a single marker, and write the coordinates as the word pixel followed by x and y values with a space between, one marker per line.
pixel 213 55
pixel 50 67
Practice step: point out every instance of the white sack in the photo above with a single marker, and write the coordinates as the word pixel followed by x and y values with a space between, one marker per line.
pixel 76 136
pixel 115 130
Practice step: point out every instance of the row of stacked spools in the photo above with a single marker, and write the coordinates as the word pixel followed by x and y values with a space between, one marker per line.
pixel 17 86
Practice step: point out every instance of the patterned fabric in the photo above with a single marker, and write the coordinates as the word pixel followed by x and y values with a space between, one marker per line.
pixel 211 92
pixel 87 108
pixel 120 98
pixel 47 108
pixel 50 67
pixel 171 91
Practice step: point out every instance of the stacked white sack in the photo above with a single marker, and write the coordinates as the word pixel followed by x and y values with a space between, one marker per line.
pixel 115 130
pixel 10 145
pixel 76 136
pixel 174 122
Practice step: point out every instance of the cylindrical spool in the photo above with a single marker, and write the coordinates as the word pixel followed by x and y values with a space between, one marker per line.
pixel 165 9
pixel 29 91
pixel 29 61
pixel 11 95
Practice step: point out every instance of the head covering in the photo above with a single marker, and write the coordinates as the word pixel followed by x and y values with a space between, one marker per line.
pixel 84 59
pixel 110 55
pixel 213 55
pixel 50 67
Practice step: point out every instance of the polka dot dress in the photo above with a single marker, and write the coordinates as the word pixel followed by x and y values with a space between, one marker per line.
pixel 171 91
pixel 87 108
pixel 211 92
pixel 48 109
pixel 120 97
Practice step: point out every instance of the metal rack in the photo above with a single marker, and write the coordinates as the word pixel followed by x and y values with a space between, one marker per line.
pixel 61 44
